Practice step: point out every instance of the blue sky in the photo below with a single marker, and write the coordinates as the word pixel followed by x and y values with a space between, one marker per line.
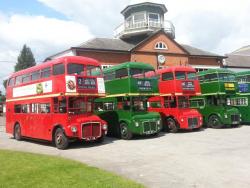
pixel 31 7
pixel 51 26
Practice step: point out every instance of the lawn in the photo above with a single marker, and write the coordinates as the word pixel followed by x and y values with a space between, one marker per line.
pixel 24 170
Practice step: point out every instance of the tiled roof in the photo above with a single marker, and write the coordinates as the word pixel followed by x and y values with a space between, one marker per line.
pixel 107 44
pixel 121 45
pixel 198 52
pixel 239 58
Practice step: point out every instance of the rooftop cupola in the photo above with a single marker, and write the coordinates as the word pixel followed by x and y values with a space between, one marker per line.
pixel 143 19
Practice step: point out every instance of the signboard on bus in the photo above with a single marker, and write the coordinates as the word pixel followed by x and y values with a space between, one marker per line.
pixel 188 86
pixel 243 88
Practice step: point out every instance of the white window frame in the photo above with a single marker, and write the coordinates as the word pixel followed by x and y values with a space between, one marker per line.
pixel 144 14
pixel 150 19
pixel 163 44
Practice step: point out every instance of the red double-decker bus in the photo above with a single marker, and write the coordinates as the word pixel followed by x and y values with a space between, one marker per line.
pixel 176 85
pixel 54 101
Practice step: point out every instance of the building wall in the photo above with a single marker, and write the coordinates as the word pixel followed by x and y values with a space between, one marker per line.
pixel 146 52
pixel 149 46
pixel 203 61
pixel 151 58
pixel 106 58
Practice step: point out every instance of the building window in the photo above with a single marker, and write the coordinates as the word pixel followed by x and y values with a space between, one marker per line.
pixel 139 17
pixel 106 66
pixel 161 46
pixel 152 17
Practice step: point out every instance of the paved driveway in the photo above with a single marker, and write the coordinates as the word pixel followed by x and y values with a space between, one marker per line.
pixel 209 158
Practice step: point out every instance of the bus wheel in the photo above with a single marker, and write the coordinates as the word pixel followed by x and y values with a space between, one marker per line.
pixel 60 139
pixel 125 133
pixel 171 125
pixel 214 122
pixel 17 132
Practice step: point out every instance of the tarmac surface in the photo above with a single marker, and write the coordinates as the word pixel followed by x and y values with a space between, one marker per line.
pixel 206 158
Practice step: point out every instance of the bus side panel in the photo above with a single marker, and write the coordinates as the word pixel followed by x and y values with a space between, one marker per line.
pixel 9 118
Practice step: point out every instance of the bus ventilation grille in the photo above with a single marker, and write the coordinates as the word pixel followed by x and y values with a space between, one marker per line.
pixel 91 130
pixel 192 122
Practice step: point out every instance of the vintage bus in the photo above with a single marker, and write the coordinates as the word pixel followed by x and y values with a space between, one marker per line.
pixel 217 86
pixel 241 100
pixel 54 101
pixel 176 85
pixel 125 106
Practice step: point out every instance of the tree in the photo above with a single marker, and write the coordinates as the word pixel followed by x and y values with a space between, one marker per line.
pixel 5 83
pixel 25 59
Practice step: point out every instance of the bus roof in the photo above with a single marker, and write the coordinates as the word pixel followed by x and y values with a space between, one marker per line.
pixel 129 65
pixel 244 73
pixel 73 59
pixel 211 71
pixel 175 68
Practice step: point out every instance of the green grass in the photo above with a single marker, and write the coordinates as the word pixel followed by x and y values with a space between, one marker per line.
pixel 22 170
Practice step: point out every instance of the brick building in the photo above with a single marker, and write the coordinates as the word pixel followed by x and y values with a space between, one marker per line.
pixel 145 36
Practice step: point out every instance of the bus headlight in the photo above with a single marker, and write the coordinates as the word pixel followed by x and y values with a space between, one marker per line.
pixel 105 127
pixel 225 115
pixel 158 122
pixel 74 129
pixel 137 124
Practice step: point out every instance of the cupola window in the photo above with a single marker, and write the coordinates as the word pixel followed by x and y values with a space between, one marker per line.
pixel 152 17
pixel 161 46
pixel 139 17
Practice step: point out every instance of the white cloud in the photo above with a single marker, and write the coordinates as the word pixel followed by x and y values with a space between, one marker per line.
pixel 204 24
pixel 101 16
pixel 43 35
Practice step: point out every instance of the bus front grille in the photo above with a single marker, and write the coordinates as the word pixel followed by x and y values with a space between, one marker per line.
pixel 235 118
pixel 192 122
pixel 91 130
pixel 149 127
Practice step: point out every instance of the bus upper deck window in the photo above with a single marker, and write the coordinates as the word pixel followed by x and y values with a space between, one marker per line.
pixel 180 75
pixel 191 76
pixel 46 72
pixel 93 70
pixel 18 80
pixel 121 73
pixel 167 76
pixel 58 69
pixel 11 82
pixel 35 75
pixel 74 68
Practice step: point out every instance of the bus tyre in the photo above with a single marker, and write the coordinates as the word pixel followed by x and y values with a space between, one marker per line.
pixel 172 125
pixel 125 133
pixel 60 139
pixel 17 132
pixel 214 122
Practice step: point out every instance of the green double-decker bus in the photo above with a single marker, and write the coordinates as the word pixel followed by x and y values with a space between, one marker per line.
pixel 125 105
pixel 241 100
pixel 217 87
